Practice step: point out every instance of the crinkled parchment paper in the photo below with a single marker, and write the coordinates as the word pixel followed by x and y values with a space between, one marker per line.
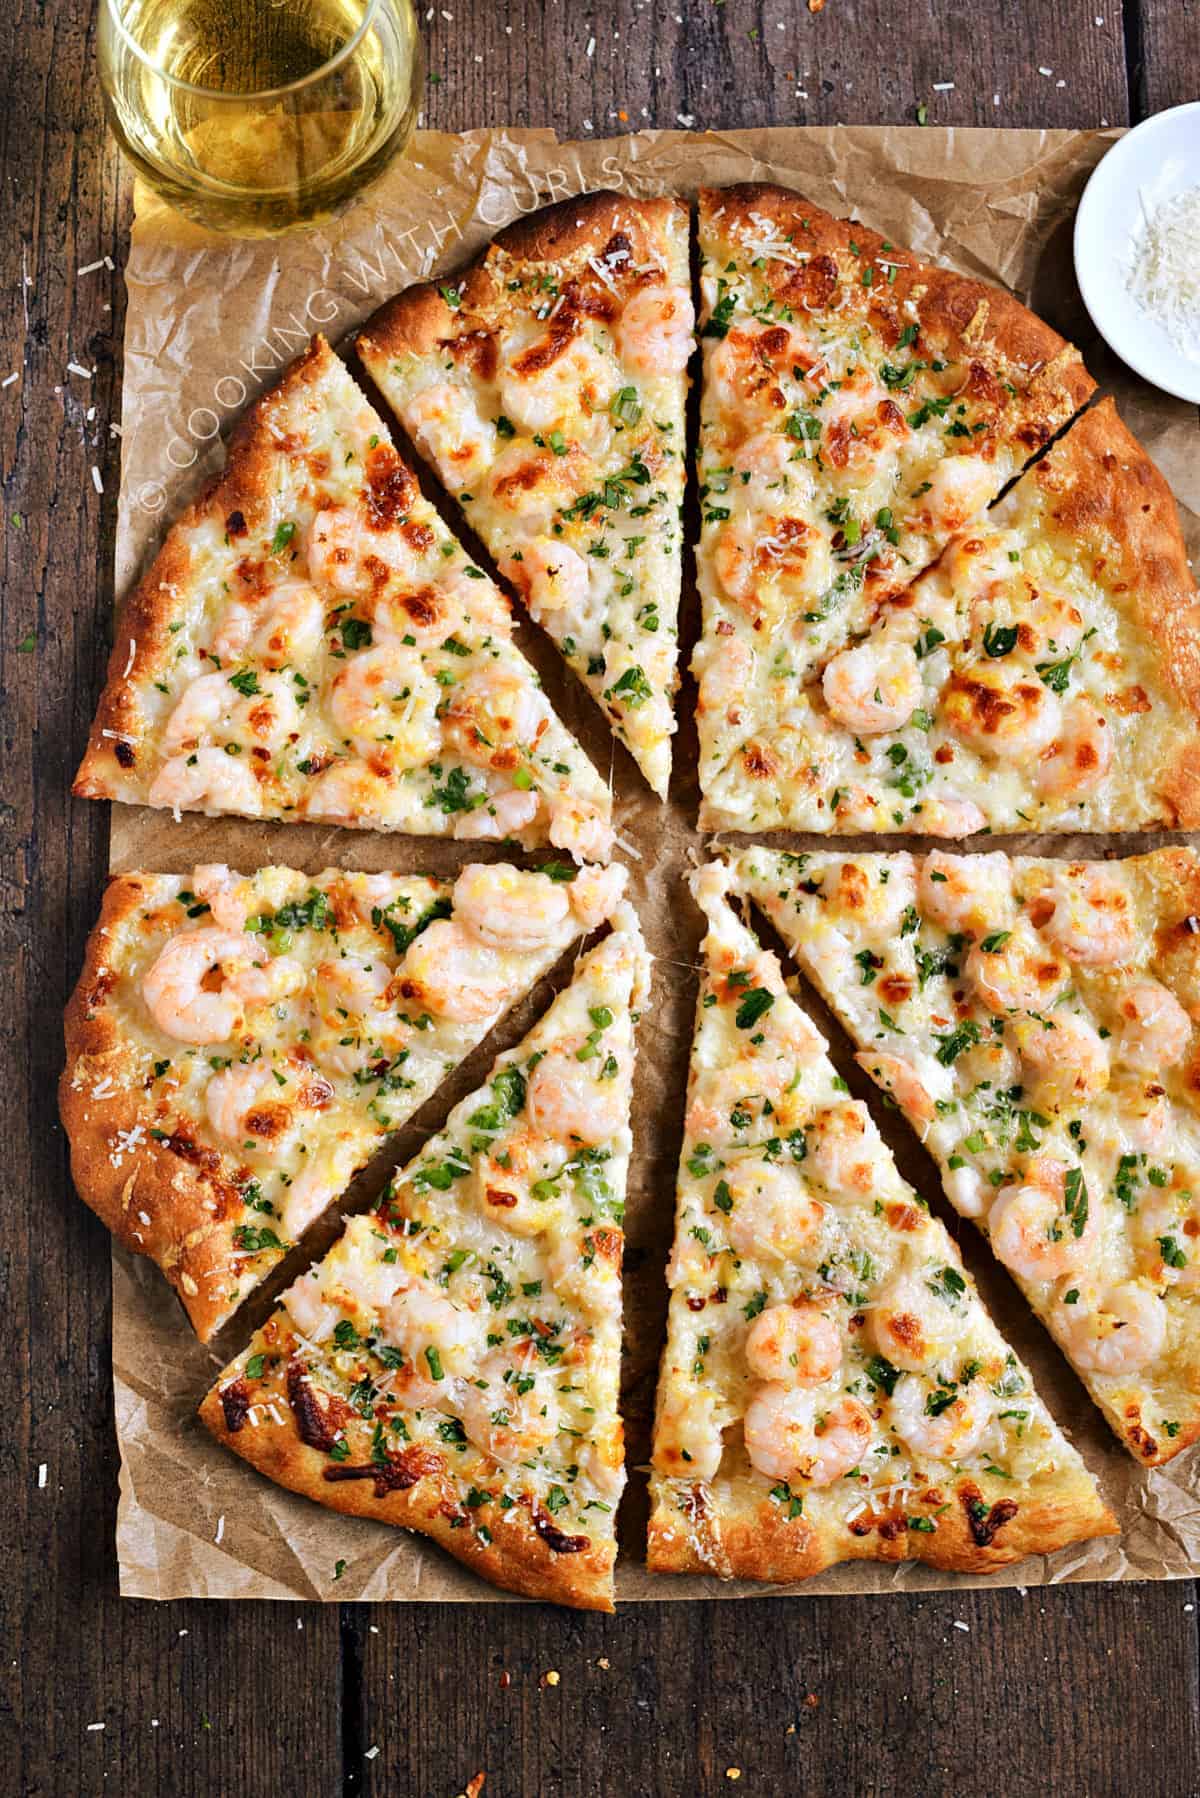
pixel 210 322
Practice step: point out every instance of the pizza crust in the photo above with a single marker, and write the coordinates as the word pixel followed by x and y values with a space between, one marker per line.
pixel 517 1558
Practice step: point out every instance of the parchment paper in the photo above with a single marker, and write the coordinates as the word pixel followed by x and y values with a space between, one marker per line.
pixel 211 321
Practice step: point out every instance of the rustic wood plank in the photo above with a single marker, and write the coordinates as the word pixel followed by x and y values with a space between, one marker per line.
pixel 1162 54
pixel 1081 1688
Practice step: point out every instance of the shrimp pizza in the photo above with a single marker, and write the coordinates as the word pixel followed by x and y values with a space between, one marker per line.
pixel 1034 1020
pixel 238 1046
pixel 547 388
pixel 453 1364
pixel 312 643
pixel 859 409
pixel 832 1386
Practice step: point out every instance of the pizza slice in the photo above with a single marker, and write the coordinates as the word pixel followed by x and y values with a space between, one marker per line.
pixel 1034 1021
pixel 832 1386
pixel 453 1364
pixel 546 385
pixel 312 643
pixel 859 407
pixel 238 1046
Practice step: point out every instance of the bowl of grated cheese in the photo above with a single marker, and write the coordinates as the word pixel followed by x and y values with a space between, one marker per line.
pixel 1137 250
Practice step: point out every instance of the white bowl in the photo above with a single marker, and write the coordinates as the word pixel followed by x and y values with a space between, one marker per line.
pixel 1150 164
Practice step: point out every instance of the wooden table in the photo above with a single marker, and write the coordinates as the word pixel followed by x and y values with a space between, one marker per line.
pixel 1091 1690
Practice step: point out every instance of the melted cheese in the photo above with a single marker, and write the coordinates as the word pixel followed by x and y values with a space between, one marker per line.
pixel 493 1343
pixel 997 1094
pixel 848 1238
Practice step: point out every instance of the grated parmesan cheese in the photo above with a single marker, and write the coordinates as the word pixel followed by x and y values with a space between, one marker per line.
pixel 1164 269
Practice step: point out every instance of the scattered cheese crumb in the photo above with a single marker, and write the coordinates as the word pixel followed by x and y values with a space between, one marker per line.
pixel 686 119
pixel 604 1662
pixel 370 1754
pixel 43 1472
pixel 1042 70
pixel 962 1626
pixel 591 47
pixel 733 1772
pixel 89 268
pixel 943 87
pixel 97 483
pixel 220 1529
pixel 92 1726
pixel 550 1679
pixel 75 368
pixel 9 379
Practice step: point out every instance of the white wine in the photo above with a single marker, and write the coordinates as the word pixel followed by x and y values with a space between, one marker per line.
pixel 252 116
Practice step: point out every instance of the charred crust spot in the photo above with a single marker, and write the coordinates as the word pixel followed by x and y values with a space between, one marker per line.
pixel 553 1537
pixel 235 524
pixel 314 1428
pixel 984 1523
pixel 399 1473
pixel 235 1402
pixel 1140 1439
pixel 124 753
pixel 180 1143
pixel 390 488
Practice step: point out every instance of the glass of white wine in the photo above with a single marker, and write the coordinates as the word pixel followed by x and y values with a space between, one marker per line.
pixel 253 116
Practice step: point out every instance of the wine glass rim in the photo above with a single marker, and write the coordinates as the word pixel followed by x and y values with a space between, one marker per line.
pixel 117 9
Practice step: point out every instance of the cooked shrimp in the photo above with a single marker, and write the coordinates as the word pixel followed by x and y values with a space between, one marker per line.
pixel 386 705
pixel 212 707
pixel 230 1095
pixel 552 576
pixel 421 1318
pixel 1080 755
pixel 1032 1231
pixel 654 331
pixel 793 1433
pixel 977 566
pixel 901 1079
pixel 746 368
pixel 587 1270
pixel 546 383
pixel 960 486
pixel 1014 970
pixel 595 893
pixel 950 816
pixel 1004 714
pixel 874 687
pixel 722 1095
pixel 795 1345
pixel 445 425
pixel 1115 1331
pixel 449 971
pixel 516 1181
pixel 494 717
pixel 725 668
pixel 841 1150
pixel 755 554
pixel 566 1099
pixel 1087 911
pixel 508 909
pixel 957 1427
pixel 505 815
pixel 349 987
pixel 1066 1054
pixel 314 1315
pixel 207 781
pixel 968 893
pixel 287 628
pixel 348 557
pixel 773 1216
pixel 581 827
pixel 225 894
pixel 347 792
pixel 910 1325
pixel 194 987
pixel 512 1414
pixel 1155 1029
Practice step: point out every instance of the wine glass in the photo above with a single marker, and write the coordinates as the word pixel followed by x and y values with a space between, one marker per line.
pixel 253 116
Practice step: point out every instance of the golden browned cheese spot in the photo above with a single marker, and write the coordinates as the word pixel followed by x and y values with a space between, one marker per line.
pixel 477 349
pixel 813 285
pixel 891 418
pixel 315 1094
pixel 758 762
pixel 559 331
pixel 268 1122
pixel 837 443
pixel 906 1328
pixel 1129 701
pixel 424 607
pixel 888 1523
pixel 391 489
pixel 981 384
pixel 976 706
pixel 607 1244
pixel 419 537
pixel 853 888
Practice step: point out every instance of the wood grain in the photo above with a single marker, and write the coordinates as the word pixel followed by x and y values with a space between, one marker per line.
pixel 1082 1689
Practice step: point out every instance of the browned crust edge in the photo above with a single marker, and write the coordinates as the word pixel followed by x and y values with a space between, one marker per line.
pixel 190 1243
pixel 142 636
pixel 761 1543
pixel 959 315
pixel 516 1559
pixel 1102 489
pixel 415 321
